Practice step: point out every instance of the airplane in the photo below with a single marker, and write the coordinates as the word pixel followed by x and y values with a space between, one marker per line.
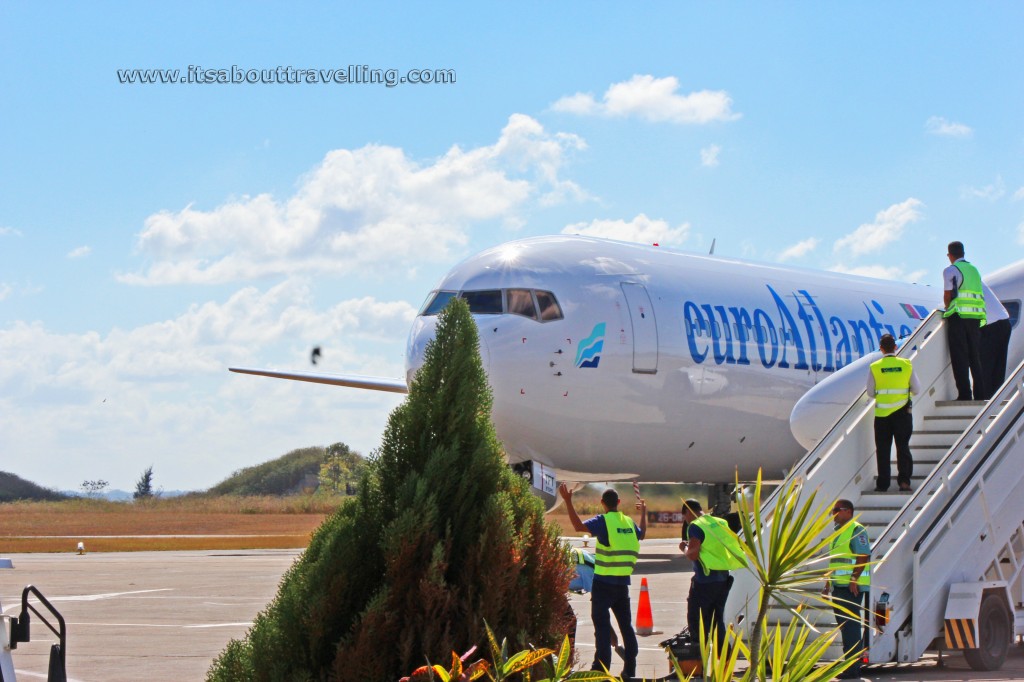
pixel 614 361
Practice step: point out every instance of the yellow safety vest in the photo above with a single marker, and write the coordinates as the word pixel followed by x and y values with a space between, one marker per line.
pixel 892 384
pixel 843 559
pixel 619 556
pixel 721 549
pixel 970 297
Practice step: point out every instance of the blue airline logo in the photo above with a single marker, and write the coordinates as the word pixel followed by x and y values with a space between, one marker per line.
pixel 589 352
pixel 793 334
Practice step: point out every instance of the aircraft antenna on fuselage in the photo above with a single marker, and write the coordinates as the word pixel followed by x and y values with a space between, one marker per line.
pixel 712 251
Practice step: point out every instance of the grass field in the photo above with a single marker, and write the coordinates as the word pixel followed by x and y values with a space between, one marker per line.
pixel 219 523
pixel 162 524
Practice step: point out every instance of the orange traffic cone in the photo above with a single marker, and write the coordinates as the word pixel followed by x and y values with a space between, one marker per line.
pixel 644 618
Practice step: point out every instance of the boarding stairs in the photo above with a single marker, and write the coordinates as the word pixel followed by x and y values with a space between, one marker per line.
pixel 947 555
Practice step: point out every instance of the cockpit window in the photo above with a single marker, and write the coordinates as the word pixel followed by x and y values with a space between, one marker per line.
pixel 520 302
pixel 536 305
pixel 549 308
pixel 436 302
pixel 486 302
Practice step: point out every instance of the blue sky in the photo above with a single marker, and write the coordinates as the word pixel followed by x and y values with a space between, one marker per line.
pixel 152 235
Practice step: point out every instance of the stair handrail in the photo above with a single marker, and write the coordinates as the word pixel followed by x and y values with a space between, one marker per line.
pixel 20 627
pixel 913 531
pixel 860 409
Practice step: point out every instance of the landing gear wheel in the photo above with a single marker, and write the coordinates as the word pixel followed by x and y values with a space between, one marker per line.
pixel 994 635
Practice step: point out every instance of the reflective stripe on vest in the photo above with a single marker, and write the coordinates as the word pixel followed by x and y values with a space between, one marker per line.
pixel 892 384
pixel 842 559
pixel 720 550
pixel 620 555
pixel 970 297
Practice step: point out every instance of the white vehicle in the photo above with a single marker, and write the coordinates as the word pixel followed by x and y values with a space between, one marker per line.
pixel 617 361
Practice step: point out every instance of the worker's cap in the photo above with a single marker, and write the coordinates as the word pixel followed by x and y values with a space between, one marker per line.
pixel 692 505
pixel 610 497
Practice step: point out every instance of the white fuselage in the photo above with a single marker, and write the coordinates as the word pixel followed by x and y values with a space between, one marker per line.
pixel 664 366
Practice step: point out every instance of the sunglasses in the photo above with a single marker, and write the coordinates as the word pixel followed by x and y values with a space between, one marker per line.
pixel 836 510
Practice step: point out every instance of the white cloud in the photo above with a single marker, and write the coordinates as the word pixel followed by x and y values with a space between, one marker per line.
pixel 800 249
pixel 888 227
pixel 652 99
pixel 360 208
pixel 80 252
pixel 5 290
pixel 9 232
pixel 991 192
pixel 937 125
pixel 709 155
pixel 105 394
pixel 1020 233
pixel 581 103
pixel 891 273
pixel 1019 194
pixel 640 229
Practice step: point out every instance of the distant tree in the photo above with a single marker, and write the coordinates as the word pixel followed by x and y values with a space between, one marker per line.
pixel 340 470
pixel 144 486
pixel 440 537
pixel 94 488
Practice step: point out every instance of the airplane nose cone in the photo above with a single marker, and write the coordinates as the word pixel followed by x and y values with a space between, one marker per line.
pixel 422 333
pixel 820 408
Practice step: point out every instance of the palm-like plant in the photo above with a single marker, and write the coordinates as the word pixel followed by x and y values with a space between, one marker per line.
pixel 788 554
pixel 559 664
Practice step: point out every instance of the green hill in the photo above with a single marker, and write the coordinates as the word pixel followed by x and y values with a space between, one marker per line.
pixel 296 472
pixel 16 488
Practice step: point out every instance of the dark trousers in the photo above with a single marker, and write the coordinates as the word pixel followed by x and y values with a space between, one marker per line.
pixel 706 602
pixel 851 630
pixel 995 339
pixel 606 598
pixel 964 337
pixel 898 426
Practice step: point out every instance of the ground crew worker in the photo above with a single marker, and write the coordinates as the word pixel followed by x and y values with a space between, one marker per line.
pixel 995 341
pixel 849 580
pixel 891 380
pixel 715 550
pixel 618 547
pixel 964 299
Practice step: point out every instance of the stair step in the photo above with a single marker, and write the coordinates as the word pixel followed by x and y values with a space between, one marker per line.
pixel 944 438
pixel 958 421
pixel 961 403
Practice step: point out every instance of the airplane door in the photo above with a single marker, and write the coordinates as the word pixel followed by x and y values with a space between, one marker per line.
pixel 645 328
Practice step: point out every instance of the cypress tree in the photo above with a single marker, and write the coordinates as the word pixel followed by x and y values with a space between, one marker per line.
pixel 441 537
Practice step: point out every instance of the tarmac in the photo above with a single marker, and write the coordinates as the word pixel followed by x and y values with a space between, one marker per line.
pixel 167 615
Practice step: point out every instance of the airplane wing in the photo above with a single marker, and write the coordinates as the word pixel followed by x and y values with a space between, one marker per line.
pixel 350 380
